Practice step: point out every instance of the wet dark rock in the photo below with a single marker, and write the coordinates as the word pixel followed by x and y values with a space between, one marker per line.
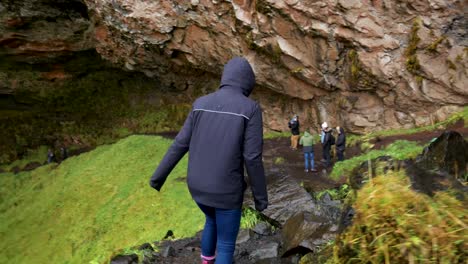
pixel 145 246
pixel 331 209
pixel 296 258
pixel 326 198
pixel 305 232
pixel 192 249
pixel 441 166
pixel 266 251
pixel 243 236
pixel 448 153
pixel 286 198
pixel 169 251
pixel 346 218
pixel 125 259
pixel 262 228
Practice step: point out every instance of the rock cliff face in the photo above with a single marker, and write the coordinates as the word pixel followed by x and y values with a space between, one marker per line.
pixel 366 65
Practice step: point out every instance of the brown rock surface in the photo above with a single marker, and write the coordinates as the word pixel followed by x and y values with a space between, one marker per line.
pixel 344 62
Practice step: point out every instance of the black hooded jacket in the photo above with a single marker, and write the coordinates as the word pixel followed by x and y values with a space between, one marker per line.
pixel 223 131
pixel 341 140
pixel 294 126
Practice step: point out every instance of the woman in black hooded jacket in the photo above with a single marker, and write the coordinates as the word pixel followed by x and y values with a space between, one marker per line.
pixel 340 143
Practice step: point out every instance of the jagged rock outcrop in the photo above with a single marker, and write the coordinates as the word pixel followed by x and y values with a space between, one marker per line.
pixel 364 65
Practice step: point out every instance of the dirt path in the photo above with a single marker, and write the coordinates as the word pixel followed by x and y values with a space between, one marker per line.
pixel 422 137
pixel 292 161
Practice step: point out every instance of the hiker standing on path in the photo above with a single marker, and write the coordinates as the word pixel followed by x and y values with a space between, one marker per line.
pixel 64 153
pixel 50 156
pixel 223 131
pixel 307 141
pixel 340 143
pixel 322 138
pixel 328 141
pixel 294 126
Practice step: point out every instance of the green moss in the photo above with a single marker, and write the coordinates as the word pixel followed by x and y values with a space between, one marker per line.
pixel 250 41
pixel 354 62
pixel 412 62
pixel 263 7
pixel 270 51
pixel 419 79
pixel 275 134
pixel 336 193
pixel 93 205
pixel 433 47
pixel 279 160
pixel 357 75
pixel 451 65
pixel 297 70
pixel 276 53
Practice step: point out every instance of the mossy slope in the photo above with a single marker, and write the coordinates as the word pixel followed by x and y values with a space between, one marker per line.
pixel 93 205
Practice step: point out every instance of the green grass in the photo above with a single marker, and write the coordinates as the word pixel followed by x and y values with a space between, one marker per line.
pixel 93 205
pixel 395 224
pixel 276 134
pixel 279 160
pixel 400 149
pixel 462 115
pixel 250 218
pixel 336 193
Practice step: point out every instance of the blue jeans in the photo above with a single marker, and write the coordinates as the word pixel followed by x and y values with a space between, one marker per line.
pixel 309 156
pixel 220 232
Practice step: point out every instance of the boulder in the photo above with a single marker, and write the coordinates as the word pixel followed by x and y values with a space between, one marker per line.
pixel 267 251
pixel 125 259
pixel 449 153
pixel 305 232
pixel 262 228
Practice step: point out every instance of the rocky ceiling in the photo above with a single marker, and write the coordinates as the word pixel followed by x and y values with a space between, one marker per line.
pixel 365 65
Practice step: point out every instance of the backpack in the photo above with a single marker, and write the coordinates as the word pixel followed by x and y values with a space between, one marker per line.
pixel 332 140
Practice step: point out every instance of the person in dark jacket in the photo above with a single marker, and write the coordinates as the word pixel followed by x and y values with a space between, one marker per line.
pixel 294 126
pixel 50 156
pixel 328 141
pixel 64 153
pixel 222 132
pixel 340 143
